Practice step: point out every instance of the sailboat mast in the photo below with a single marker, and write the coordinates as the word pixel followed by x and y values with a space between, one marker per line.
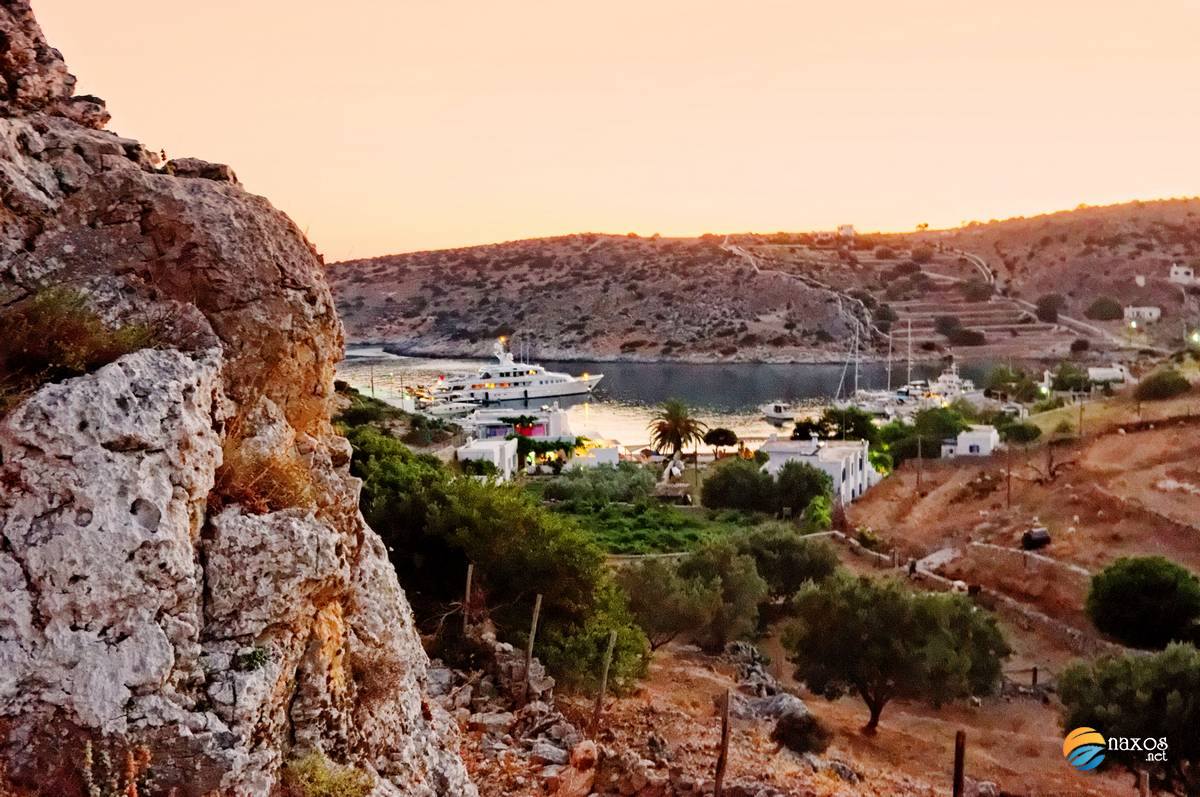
pixel 889 365
pixel 857 357
pixel 909 381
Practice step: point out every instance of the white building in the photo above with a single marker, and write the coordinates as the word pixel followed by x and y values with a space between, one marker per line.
pixel 845 461
pixel 501 452
pixel 1183 275
pixel 977 441
pixel 846 232
pixel 1112 374
pixel 547 423
pixel 591 456
pixel 1148 314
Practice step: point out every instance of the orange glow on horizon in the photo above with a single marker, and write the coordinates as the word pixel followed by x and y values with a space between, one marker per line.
pixel 385 126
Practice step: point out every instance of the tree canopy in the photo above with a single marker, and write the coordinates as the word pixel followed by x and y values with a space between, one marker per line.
pixel 882 641
pixel 673 427
pixel 664 603
pixel 1145 601
pixel 742 589
pixel 1163 384
pixel 720 437
pixel 1138 696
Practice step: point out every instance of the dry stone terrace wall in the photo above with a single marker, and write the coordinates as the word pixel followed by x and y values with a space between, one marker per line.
pixel 155 587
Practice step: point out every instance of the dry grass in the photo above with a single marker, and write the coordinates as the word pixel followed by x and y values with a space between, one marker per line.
pixel 54 335
pixel 259 483
pixel 314 775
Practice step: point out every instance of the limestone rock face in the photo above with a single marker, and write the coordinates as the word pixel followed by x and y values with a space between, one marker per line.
pixel 182 560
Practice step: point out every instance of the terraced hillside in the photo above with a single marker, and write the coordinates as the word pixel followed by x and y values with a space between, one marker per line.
pixel 792 296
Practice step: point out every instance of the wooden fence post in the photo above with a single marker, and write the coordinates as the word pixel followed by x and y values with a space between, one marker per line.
pixel 723 756
pixel 1035 676
pixel 608 654
pixel 537 610
pixel 960 751
pixel 467 598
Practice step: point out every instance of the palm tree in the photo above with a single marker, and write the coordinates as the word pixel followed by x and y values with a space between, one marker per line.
pixel 673 427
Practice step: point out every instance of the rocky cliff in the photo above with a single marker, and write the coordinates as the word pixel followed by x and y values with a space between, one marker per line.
pixel 183 567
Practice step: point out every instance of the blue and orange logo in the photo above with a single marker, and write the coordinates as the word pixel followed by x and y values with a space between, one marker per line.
pixel 1084 748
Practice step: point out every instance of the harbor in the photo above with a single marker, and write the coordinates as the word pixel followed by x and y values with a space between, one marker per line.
pixel 729 395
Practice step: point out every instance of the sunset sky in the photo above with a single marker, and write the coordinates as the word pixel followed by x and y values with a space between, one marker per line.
pixel 386 126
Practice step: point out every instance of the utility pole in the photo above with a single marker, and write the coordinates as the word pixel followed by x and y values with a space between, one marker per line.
pixel 920 463
pixel 1008 475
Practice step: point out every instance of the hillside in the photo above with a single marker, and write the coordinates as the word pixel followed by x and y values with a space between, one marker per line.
pixel 593 296
pixel 785 296
pixel 1093 252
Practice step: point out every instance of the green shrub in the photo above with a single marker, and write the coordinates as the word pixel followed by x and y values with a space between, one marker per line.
pixel 977 290
pixel 666 605
pixel 574 652
pixel 797 484
pixel 738 484
pixel 1020 433
pixel 922 254
pixel 1145 601
pixel 742 590
pixel 967 337
pixel 1049 306
pixel 785 558
pixel 1105 309
pixel 802 733
pixel 818 515
pixel 478 467
pixel 54 335
pixel 742 485
pixel 596 487
pixel 1068 376
pixel 434 524
pixel 647 527
pixel 314 775
pixel 947 324
pixel 1164 384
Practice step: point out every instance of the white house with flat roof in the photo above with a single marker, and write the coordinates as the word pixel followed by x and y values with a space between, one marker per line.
pixel 979 440
pixel 1183 275
pixel 547 423
pixel 845 461
pixel 1145 315
pixel 501 452
pixel 1109 374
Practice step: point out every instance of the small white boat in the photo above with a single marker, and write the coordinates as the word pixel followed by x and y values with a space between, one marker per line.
pixel 778 413
pixel 450 409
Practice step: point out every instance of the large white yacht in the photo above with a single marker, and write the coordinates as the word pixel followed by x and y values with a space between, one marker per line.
pixel 508 380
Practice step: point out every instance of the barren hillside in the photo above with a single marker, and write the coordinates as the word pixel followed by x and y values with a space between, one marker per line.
pixel 787 296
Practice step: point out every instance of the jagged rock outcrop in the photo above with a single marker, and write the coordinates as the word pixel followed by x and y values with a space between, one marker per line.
pixel 182 561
